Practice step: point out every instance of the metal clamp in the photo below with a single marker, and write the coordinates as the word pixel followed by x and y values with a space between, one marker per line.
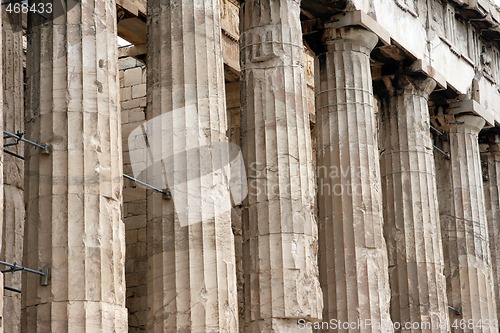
pixel 166 192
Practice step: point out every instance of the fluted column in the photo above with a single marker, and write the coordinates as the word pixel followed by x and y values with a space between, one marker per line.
pixel 74 194
pixel 464 229
pixel 2 302
pixel 234 115
pixel 1 173
pixel 279 225
pixel 491 165
pixel 13 120
pixel 353 253
pixel 411 213
pixel 192 275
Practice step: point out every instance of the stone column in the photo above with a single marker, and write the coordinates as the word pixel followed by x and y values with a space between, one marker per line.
pixel 74 194
pixel 1 178
pixel 464 229
pixel 192 278
pixel 279 225
pixel 233 113
pixel 491 164
pixel 411 213
pixel 353 254
pixel 2 320
pixel 13 120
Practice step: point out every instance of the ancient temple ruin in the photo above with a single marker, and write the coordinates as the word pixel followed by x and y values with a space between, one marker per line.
pixel 250 166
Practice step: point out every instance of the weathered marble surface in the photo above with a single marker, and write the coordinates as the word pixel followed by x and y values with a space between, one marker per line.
pixel 74 194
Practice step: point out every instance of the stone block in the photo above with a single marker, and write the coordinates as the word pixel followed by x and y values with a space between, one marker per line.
pixel 139 91
pixel 126 93
pixel 133 76
pixel 135 222
pixel 141 235
pixel 136 115
pixel 133 103
pixel 131 236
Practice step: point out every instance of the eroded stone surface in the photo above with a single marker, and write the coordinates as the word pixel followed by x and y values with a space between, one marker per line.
pixel 133 101
pixel 279 225
pixel 192 280
pixel 73 195
pixel 353 254
pixel 1 304
pixel 491 177
pixel 464 228
pixel 1 179
pixel 234 126
pixel 411 213
pixel 13 173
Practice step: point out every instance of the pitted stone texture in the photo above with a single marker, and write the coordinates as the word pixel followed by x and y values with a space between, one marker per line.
pixel 411 213
pixel 1 178
pixel 134 199
pixel 491 164
pixel 279 225
pixel 192 278
pixel 233 113
pixel 464 229
pixel 353 254
pixel 73 196
pixel 13 173
pixel 2 320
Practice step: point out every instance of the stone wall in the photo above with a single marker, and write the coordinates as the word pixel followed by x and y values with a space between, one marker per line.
pixel 133 101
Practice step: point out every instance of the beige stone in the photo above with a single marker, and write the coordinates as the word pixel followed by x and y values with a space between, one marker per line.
pixel 11 248
pixel 411 213
pixel 126 93
pixel 2 321
pixel 135 218
pixel 279 226
pixel 139 90
pixel 353 254
pixel 73 201
pixel 491 165
pixel 192 277
pixel 464 228
pixel 1 181
pixel 133 76
pixel 233 106
pixel 198 281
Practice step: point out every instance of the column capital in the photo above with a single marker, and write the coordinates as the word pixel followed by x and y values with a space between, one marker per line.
pixel 361 40
pixel 462 208
pixel 400 84
pixel 344 101
pixel 464 122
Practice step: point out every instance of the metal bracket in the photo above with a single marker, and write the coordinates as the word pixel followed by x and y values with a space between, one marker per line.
pixel 13 154
pixel 457 311
pixel 441 134
pixel 44 273
pixel 14 290
pixel 19 137
pixel 166 192
pixel 45 278
pixel 446 154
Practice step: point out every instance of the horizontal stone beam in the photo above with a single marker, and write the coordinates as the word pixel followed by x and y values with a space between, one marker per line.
pixel 471 106
pixel 132 51
pixel 359 18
